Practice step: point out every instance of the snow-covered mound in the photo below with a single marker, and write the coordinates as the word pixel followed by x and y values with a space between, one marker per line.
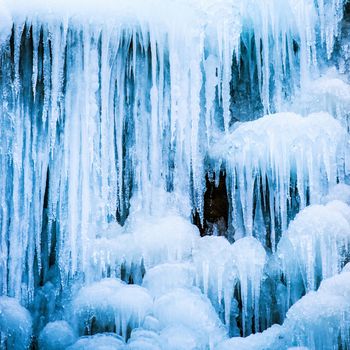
pixel 272 338
pixel 102 341
pixel 192 310
pixel 274 154
pixel 15 325
pixel 56 335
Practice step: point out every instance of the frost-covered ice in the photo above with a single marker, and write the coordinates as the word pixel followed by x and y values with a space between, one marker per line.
pixel 15 324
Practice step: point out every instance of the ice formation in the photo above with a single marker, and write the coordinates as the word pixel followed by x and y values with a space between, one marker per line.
pixel 276 155
pixel 116 117
pixel 134 250
pixel 110 305
pixel 315 246
pixel 192 310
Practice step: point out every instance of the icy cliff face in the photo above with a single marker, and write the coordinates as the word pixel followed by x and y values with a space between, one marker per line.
pixel 112 117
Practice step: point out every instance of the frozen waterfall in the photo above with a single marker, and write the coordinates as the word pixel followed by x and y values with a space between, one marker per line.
pixel 175 174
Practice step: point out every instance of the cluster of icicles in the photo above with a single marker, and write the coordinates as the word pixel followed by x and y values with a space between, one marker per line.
pixel 189 292
pixel 120 118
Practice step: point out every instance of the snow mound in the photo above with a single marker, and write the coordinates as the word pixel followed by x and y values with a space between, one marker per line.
pixel 328 93
pixel 15 324
pixel 192 310
pixel 275 153
pixel 111 305
pixel 272 338
pixel 143 339
pixel 56 335
pixel 98 342
pixel 182 338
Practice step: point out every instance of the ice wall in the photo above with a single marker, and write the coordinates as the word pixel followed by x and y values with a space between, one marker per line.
pixel 116 113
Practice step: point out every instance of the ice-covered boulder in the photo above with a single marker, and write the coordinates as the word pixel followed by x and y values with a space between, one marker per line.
pixel 15 325
pixel 315 247
pixel 104 341
pixel 56 335
pixel 192 310
pixel 111 305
